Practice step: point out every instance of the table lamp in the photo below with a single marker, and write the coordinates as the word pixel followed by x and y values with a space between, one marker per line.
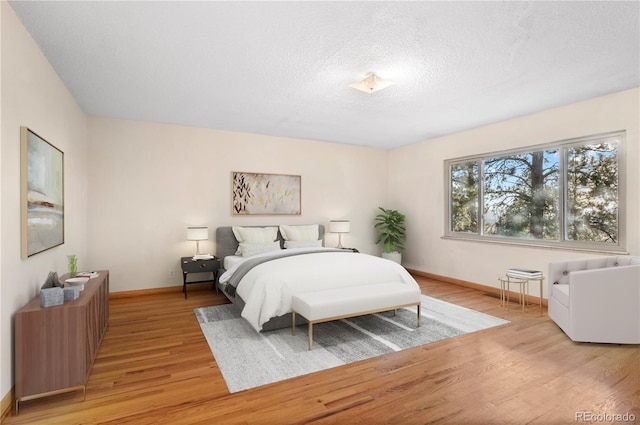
pixel 339 227
pixel 198 234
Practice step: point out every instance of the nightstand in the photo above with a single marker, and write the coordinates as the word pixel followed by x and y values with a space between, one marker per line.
pixel 351 249
pixel 189 265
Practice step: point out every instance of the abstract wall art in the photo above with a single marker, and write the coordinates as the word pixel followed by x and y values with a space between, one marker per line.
pixel 41 194
pixel 265 194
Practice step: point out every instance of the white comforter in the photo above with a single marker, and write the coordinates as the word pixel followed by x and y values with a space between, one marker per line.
pixel 267 289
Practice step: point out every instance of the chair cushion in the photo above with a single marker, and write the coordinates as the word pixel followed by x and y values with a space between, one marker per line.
pixel 561 293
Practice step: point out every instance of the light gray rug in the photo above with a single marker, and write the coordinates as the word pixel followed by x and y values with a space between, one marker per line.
pixel 249 359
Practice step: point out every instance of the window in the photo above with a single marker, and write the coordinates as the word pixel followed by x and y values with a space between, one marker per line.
pixel 566 193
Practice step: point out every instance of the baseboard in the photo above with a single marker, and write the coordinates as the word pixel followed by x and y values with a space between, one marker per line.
pixel 460 282
pixel 156 291
pixel 484 288
pixel 7 404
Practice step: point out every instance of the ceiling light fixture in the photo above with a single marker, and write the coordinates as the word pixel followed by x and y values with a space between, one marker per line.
pixel 371 83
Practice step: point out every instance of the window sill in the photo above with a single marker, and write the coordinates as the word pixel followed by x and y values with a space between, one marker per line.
pixel 537 245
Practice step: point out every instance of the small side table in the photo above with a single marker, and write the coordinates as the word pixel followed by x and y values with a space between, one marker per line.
pixel 523 282
pixel 351 249
pixel 189 265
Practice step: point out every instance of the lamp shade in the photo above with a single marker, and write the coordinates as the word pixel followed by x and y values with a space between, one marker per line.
pixel 197 233
pixel 339 226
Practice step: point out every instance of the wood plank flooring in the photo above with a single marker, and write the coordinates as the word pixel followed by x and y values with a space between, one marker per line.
pixel 155 367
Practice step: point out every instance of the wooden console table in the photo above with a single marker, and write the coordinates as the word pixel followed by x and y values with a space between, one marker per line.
pixel 55 346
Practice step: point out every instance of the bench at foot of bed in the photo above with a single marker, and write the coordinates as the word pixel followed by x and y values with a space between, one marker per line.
pixel 340 303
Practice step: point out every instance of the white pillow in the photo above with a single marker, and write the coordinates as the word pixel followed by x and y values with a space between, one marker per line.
pixel 251 249
pixel 300 233
pixel 302 244
pixel 254 235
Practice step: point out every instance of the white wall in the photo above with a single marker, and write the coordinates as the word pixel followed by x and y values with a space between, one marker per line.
pixel 417 186
pixel 132 188
pixel 34 96
pixel 148 182
pixel 2 318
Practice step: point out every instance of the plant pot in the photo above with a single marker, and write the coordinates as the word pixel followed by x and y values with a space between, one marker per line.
pixel 393 256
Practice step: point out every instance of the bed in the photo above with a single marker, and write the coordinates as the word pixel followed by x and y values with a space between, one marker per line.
pixel 261 275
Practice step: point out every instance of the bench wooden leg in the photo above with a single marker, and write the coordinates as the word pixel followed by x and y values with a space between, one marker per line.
pixel 310 331
pixel 293 323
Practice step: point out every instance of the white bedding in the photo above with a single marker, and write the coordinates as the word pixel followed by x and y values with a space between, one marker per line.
pixel 231 260
pixel 267 289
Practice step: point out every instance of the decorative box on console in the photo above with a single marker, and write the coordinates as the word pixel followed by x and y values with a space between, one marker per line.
pixel 71 293
pixel 51 296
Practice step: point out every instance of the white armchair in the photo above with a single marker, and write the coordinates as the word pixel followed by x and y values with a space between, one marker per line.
pixel 597 300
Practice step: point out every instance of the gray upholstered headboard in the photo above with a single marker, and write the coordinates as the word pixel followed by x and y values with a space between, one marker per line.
pixel 226 243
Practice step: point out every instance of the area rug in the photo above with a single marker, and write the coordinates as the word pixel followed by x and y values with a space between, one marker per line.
pixel 250 359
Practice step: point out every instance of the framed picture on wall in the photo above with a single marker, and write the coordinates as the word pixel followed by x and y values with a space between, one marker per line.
pixel 41 194
pixel 265 194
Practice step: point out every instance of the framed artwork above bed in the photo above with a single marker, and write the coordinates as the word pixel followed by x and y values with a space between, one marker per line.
pixel 265 194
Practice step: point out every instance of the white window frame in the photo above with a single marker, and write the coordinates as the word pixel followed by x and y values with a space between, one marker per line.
pixel 562 242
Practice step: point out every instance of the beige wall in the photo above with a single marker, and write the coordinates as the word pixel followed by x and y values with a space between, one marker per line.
pixel 132 188
pixel 148 182
pixel 416 186
pixel 34 96
pixel 3 352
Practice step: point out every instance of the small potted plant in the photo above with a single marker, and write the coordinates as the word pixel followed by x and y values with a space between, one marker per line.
pixel 391 232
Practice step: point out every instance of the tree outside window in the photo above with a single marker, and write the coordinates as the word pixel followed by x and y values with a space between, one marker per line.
pixel 561 193
pixel 464 197
pixel 521 195
pixel 592 192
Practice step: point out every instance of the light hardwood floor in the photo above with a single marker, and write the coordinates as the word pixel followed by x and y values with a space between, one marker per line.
pixel 155 367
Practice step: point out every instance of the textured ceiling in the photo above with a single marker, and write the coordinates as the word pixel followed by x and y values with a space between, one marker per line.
pixel 283 68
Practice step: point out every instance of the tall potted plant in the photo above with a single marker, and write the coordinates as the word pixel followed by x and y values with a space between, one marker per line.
pixel 391 232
